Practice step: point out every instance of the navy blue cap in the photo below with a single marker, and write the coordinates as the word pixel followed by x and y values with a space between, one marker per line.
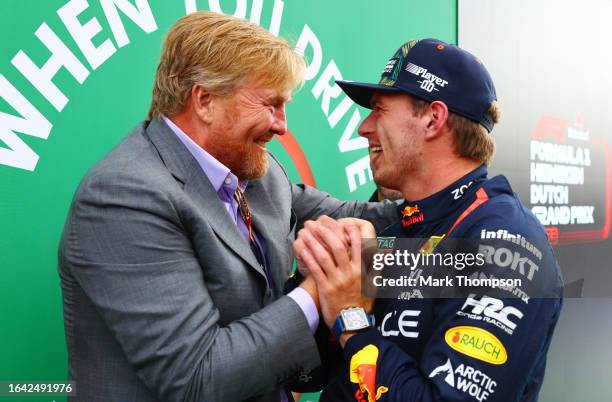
pixel 432 70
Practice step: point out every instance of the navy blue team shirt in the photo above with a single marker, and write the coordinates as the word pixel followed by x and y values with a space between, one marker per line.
pixel 474 348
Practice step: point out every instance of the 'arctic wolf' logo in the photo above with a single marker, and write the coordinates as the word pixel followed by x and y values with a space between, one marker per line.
pixel 445 368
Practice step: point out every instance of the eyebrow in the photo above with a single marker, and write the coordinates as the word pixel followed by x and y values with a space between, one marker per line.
pixel 278 98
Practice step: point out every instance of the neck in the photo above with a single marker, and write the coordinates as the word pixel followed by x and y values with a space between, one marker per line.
pixel 435 177
pixel 188 123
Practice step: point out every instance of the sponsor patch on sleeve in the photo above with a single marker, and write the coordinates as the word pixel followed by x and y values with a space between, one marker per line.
pixel 477 343
pixel 363 373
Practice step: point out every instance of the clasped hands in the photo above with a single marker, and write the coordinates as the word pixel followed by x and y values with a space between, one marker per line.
pixel 328 252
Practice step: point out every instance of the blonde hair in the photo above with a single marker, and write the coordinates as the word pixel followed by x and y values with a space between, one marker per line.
pixel 471 139
pixel 219 52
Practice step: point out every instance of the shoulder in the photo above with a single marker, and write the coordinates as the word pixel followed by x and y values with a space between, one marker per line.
pixel 503 209
pixel 510 233
pixel 130 169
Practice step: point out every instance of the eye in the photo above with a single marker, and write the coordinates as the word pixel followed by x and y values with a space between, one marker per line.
pixel 376 106
pixel 271 106
pixel 277 105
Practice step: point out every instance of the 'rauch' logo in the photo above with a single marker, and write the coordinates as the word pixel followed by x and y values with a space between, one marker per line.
pixel 477 343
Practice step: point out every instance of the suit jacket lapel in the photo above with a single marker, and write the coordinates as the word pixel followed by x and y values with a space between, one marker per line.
pixel 267 222
pixel 183 166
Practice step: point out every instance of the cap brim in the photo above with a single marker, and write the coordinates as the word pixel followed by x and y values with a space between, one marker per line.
pixel 361 92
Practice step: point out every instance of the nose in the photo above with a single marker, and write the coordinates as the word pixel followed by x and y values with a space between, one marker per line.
pixel 367 126
pixel 279 126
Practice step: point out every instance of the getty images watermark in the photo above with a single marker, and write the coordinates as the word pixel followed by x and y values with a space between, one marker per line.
pixel 403 259
pixel 439 267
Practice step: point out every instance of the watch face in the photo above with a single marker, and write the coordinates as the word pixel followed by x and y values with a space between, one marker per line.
pixel 354 318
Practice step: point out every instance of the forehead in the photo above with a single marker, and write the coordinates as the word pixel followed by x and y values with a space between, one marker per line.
pixel 390 98
pixel 267 92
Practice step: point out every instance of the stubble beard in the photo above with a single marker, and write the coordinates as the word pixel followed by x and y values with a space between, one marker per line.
pixel 243 158
pixel 399 169
pixel 253 166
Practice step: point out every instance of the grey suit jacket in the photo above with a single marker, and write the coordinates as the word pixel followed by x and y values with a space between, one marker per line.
pixel 163 298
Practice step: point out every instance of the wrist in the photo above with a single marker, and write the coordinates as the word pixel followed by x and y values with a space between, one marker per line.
pixel 310 287
pixel 351 320
pixel 345 337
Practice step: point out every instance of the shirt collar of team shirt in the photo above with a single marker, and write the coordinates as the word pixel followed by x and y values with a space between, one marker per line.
pixel 443 203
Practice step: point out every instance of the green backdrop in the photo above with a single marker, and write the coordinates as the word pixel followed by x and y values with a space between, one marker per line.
pixel 46 146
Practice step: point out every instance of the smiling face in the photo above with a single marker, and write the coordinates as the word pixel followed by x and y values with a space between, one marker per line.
pixel 243 123
pixel 395 135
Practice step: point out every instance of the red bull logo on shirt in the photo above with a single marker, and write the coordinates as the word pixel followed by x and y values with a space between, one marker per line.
pixel 408 217
pixel 409 211
pixel 363 373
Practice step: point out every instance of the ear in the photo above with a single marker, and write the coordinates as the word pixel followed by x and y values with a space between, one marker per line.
pixel 437 115
pixel 202 102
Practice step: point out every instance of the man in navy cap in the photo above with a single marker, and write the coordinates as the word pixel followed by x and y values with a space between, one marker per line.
pixel 429 134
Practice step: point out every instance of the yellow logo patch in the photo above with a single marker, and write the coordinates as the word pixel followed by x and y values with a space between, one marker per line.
pixel 431 244
pixel 477 343
pixel 363 373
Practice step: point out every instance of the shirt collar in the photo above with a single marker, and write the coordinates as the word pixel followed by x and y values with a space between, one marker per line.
pixel 443 203
pixel 222 179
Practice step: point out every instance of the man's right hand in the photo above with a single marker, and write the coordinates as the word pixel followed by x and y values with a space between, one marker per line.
pixel 337 227
pixel 335 269
pixel 366 229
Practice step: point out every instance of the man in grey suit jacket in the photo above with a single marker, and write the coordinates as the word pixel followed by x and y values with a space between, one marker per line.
pixel 171 292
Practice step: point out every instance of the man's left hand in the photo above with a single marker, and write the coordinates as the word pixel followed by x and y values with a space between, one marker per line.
pixel 335 267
